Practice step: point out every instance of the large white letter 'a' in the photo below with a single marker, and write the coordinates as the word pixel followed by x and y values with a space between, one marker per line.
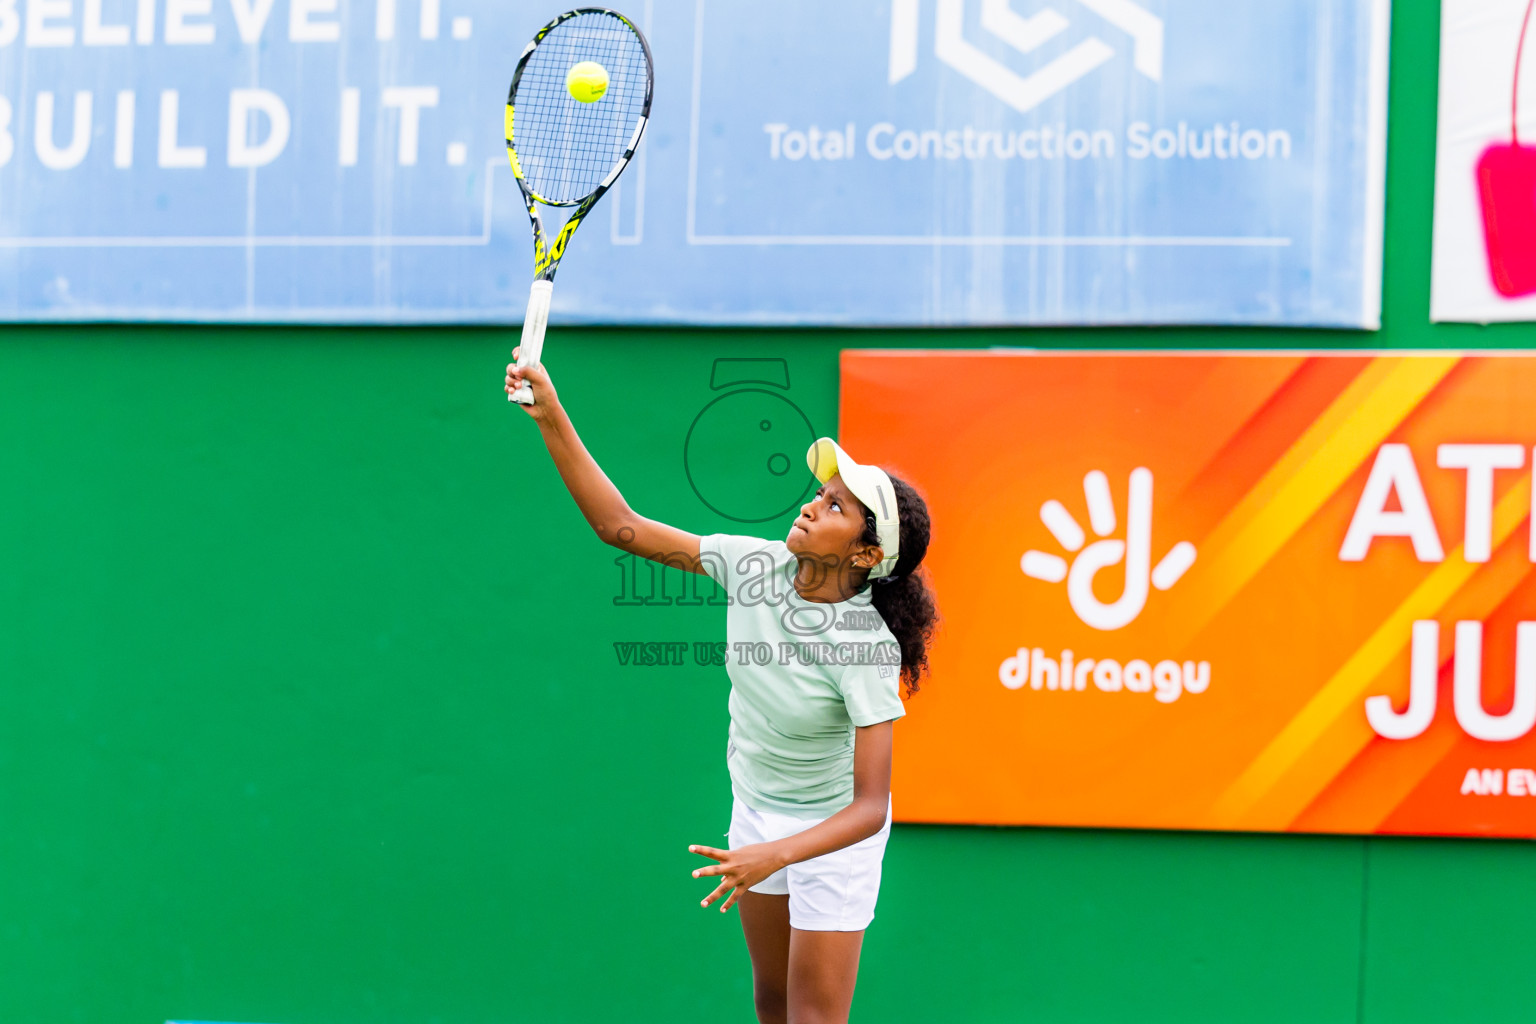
pixel 1393 471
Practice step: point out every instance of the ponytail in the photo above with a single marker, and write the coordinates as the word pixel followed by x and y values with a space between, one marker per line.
pixel 903 598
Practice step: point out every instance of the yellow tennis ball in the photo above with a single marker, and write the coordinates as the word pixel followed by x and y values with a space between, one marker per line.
pixel 587 81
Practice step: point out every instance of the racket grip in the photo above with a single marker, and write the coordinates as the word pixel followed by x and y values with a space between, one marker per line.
pixel 535 323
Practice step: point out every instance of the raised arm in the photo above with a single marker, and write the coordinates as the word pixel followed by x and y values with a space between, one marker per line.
pixel 605 509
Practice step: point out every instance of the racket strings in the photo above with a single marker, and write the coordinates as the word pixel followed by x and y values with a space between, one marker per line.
pixel 565 147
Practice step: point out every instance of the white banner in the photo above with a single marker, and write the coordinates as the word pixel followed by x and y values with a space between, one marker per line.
pixel 1485 166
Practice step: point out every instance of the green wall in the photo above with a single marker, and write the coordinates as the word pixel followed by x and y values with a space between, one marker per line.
pixel 310 714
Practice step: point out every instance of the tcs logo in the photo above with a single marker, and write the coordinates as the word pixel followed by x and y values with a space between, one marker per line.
pixel 1024 34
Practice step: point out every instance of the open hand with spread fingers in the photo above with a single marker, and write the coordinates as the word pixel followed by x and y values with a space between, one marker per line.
pixel 738 870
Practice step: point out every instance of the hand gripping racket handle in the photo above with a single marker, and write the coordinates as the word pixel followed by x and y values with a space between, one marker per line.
pixel 535 321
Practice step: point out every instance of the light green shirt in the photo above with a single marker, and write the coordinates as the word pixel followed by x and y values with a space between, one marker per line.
pixel 829 668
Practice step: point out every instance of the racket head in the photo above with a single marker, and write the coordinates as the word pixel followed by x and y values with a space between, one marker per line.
pixel 564 151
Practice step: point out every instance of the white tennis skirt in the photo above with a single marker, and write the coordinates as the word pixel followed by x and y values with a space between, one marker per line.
pixel 835 892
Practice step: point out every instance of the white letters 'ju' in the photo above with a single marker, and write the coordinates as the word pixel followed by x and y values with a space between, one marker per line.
pixel 1467 689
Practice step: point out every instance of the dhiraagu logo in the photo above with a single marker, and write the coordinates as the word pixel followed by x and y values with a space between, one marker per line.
pixel 1023 92
pixel 1135 551
pixel 1035 668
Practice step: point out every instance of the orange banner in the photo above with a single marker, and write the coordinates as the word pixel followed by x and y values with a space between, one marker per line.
pixel 1288 592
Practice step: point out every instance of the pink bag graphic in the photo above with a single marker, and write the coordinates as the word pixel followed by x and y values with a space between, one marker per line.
pixel 1506 184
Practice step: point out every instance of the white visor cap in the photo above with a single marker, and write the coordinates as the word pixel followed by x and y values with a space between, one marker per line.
pixel 869 484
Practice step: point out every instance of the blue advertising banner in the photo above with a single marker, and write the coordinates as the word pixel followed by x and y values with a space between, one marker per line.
pixel 859 162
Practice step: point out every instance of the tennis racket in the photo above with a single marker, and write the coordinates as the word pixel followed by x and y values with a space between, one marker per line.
pixel 565 152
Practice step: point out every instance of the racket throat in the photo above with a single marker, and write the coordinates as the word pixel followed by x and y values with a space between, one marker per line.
pixel 547 259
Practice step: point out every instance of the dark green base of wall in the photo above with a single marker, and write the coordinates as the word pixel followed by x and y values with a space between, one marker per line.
pixel 311 715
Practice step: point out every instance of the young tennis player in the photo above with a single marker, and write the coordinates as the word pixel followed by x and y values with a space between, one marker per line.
pixel 821 629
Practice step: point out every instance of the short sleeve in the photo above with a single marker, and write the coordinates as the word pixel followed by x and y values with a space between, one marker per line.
pixel 735 562
pixel 872 693
pixel 717 563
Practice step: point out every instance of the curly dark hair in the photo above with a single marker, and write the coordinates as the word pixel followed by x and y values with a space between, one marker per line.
pixel 903 599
